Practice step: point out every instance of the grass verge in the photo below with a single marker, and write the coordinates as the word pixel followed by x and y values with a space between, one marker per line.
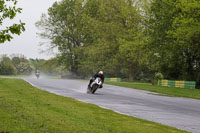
pixel 13 76
pixel 170 91
pixel 26 109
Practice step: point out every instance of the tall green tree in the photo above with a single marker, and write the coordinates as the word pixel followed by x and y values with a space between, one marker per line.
pixel 113 24
pixel 9 12
pixel 174 29
pixel 62 27
pixel 93 35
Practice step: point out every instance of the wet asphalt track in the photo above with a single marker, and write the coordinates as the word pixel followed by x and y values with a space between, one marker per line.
pixel 181 113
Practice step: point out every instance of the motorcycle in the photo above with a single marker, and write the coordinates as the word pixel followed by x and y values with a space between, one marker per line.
pixel 37 75
pixel 94 85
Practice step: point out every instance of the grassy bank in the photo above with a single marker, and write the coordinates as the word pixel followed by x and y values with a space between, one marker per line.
pixel 179 92
pixel 25 109
pixel 13 76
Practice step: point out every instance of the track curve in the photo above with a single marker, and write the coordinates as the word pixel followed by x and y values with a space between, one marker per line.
pixel 182 113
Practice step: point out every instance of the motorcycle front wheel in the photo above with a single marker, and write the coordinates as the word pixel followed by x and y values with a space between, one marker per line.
pixel 94 88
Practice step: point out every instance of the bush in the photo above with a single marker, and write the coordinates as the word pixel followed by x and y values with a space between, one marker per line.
pixel 157 76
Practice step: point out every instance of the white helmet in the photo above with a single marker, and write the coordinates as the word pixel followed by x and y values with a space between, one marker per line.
pixel 101 72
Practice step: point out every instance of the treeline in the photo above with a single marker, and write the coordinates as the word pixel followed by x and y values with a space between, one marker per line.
pixel 20 65
pixel 131 39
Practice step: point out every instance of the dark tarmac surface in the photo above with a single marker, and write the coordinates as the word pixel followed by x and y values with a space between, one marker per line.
pixel 182 113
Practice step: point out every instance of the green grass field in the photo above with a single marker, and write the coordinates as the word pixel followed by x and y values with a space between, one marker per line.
pixel 26 109
pixel 179 92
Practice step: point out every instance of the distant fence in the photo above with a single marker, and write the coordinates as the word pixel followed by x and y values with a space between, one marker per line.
pixel 180 84
pixel 113 79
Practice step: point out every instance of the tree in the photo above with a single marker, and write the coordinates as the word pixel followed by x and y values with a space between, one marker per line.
pixel 9 13
pixel 117 29
pixel 6 66
pixel 132 56
pixel 37 63
pixel 91 35
pixel 22 65
pixel 52 67
pixel 62 27
pixel 185 34
pixel 174 29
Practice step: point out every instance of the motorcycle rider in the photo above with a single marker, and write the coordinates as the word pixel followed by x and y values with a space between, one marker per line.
pixel 37 73
pixel 100 75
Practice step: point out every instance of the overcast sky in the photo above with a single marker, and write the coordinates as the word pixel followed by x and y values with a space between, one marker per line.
pixel 28 42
